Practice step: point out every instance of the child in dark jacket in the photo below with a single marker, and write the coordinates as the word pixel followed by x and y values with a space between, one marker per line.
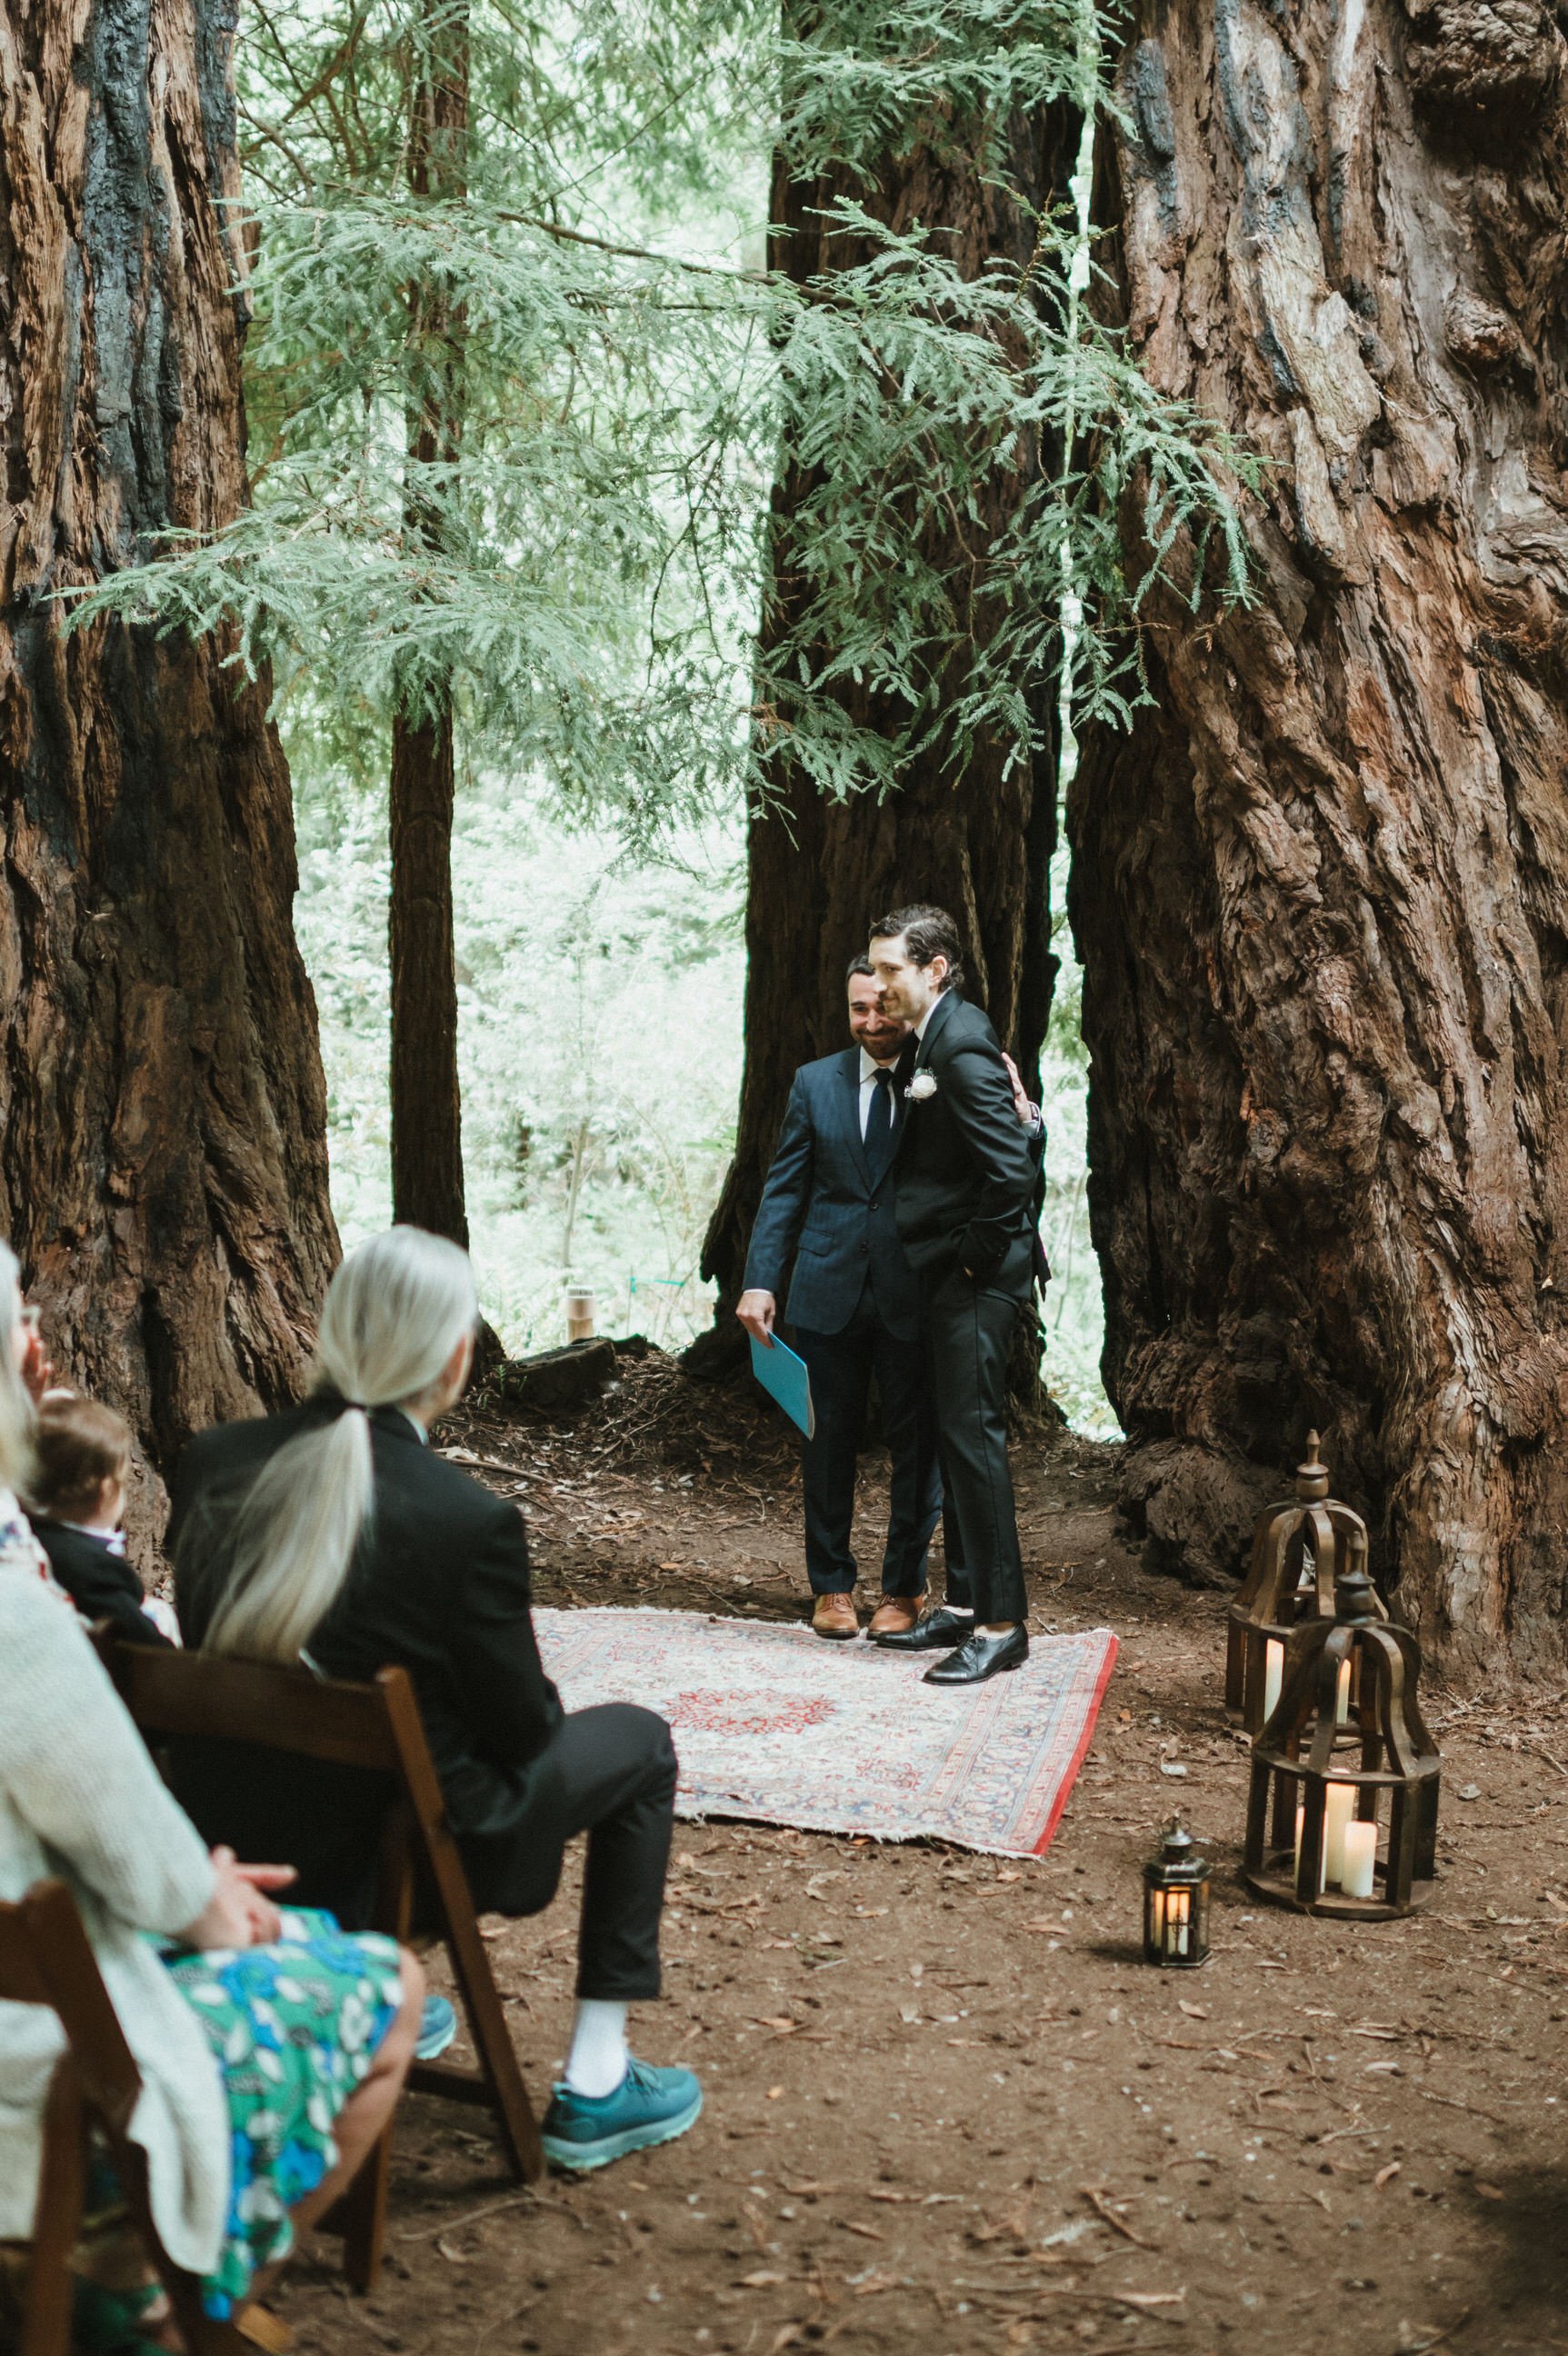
pixel 78 1494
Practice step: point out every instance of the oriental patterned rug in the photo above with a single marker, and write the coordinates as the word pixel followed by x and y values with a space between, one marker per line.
pixel 773 1724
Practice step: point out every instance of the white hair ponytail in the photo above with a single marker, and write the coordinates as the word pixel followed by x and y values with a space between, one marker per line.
pixel 395 1312
pixel 18 1416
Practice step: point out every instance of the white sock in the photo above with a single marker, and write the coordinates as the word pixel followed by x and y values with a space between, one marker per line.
pixel 596 2063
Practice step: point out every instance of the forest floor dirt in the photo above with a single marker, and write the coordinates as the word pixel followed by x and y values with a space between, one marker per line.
pixel 948 2107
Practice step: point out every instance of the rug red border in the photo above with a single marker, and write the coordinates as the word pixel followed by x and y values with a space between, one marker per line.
pixel 1092 1721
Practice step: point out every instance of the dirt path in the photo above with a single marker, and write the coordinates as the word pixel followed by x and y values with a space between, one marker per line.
pixel 948 2106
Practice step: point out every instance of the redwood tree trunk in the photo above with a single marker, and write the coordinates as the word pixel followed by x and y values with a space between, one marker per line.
pixel 1319 891
pixel 162 1168
pixel 426 1094
pixel 977 843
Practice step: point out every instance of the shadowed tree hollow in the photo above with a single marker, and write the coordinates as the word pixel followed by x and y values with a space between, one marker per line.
pixel 975 835
pixel 163 1170
pixel 1319 890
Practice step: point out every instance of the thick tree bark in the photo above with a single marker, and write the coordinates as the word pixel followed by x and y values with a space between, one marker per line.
pixel 163 1170
pixel 427 1095
pixel 977 843
pixel 1319 890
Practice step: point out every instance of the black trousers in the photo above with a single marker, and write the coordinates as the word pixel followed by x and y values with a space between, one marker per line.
pixel 610 1773
pixel 840 1367
pixel 969 1332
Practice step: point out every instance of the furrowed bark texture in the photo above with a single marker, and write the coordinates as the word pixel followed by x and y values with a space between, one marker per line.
pixel 163 1157
pixel 426 1094
pixel 977 843
pixel 1320 892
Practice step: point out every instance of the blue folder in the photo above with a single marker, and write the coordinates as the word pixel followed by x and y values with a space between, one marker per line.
pixel 778 1370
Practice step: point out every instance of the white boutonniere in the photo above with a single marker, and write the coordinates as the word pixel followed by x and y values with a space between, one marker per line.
pixel 922 1086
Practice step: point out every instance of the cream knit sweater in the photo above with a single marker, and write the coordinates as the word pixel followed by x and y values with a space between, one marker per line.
pixel 80 1798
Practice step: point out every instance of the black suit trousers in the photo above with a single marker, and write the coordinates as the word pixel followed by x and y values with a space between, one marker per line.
pixel 609 1772
pixel 969 1331
pixel 840 1367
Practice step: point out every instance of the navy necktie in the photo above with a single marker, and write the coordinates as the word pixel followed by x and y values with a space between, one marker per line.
pixel 879 1123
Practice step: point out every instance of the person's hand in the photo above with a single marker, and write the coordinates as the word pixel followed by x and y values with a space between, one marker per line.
pixel 35 1367
pixel 756 1311
pixel 238 1913
pixel 1021 1105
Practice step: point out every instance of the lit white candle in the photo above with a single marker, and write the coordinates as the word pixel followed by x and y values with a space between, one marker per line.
pixel 1342 1699
pixel 1274 1674
pixel 1157 1919
pixel 1361 1852
pixel 1178 1922
pixel 1338 1801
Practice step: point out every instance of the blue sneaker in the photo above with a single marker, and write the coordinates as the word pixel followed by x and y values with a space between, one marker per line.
pixel 648 2106
pixel 437 2028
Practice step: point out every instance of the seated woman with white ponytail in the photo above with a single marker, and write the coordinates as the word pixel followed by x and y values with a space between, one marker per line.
pixel 332 1534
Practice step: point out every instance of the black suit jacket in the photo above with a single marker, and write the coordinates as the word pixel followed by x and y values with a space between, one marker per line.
pixel 965 1167
pixel 100 1582
pixel 440 1586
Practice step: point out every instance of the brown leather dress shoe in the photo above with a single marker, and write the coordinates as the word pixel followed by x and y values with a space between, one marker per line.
pixel 895 1615
pixel 835 1616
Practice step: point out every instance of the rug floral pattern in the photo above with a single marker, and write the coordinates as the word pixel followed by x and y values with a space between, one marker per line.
pixel 775 1725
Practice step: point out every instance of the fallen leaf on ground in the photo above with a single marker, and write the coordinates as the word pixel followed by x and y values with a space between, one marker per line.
pixel 1385 2175
pixel 455 2256
pixel 784 2027
pixel 1193 2011
pixel 761 2279
pixel 869 2232
pixel 1491 2192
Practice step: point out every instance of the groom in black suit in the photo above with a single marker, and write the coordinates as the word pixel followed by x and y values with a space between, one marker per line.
pixel 965 1177
pixel 854 1308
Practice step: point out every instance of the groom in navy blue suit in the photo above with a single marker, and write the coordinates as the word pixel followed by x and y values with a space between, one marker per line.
pixel 854 1308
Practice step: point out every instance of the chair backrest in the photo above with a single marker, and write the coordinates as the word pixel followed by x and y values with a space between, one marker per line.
pixel 46 1958
pixel 173 1692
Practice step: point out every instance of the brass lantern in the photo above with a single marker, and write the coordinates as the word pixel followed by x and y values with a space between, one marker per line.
pixel 1342 1816
pixel 1298 1551
pixel 1175 1903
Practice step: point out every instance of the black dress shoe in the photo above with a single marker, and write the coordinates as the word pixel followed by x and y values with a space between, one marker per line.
pixel 938 1632
pixel 983 1657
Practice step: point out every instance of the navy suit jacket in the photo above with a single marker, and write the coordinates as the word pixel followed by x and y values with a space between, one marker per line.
pixel 822 1203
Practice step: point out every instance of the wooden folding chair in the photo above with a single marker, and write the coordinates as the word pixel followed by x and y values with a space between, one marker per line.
pixel 44 1959
pixel 376 1726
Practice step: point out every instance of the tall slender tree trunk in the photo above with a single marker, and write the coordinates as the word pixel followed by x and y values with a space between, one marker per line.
pixel 1319 891
pixel 163 1155
pixel 426 1094
pixel 977 843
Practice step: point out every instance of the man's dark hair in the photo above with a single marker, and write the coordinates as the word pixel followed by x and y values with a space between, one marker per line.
pixel 861 965
pixel 930 932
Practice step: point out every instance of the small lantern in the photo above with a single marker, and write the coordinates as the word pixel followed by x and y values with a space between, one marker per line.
pixel 1342 1817
pixel 1298 1552
pixel 1175 1903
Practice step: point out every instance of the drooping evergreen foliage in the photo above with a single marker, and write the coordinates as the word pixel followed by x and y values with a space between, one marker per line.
pixel 588 576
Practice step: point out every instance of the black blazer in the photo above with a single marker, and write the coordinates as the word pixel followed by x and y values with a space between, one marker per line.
pixel 965 1167
pixel 100 1582
pixel 823 1202
pixel 440 1586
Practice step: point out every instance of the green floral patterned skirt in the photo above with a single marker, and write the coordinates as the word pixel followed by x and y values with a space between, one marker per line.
pixel 294 2028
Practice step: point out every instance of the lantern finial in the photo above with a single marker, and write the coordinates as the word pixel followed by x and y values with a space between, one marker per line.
pixel 1311 1477
pixel 1354 1597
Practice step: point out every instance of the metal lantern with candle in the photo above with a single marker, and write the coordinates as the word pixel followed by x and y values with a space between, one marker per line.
pixel 1342 1816
pixel 1299 1549
pixel 1175 1903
